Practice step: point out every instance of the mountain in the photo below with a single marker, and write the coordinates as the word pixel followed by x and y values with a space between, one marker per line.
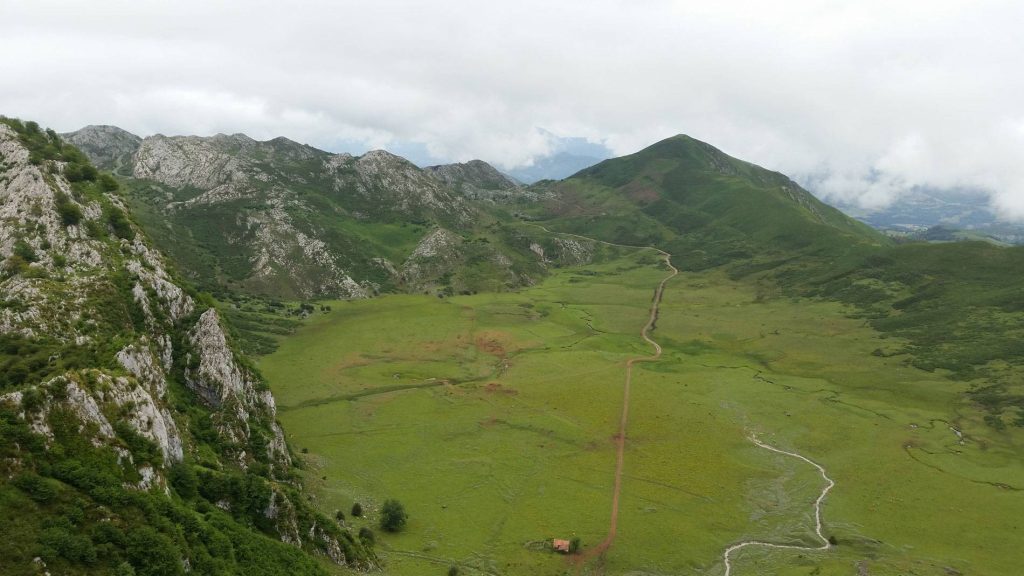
pixel 134 436
pixel 567 156
pixel 553 167
pixel 951 306
pixel 285 220
pixel 474 179
pixel 702 205
pixel 960 213
pixel 108 147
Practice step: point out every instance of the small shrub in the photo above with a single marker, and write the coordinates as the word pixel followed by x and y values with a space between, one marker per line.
pixel 108 183
pixel 367 536
pixel 357 509
pixel 36 487
pixel 119 222
pixel 69 212
pixel 25 252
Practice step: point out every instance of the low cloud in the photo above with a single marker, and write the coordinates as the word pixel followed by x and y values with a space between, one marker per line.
pixel 864 101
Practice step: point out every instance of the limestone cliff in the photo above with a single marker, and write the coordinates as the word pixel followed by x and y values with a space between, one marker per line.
pixel 102 346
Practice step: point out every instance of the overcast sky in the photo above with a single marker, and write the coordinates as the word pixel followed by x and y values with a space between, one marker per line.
pixel 865 98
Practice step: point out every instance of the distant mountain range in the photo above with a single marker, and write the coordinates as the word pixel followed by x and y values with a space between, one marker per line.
pixel 942 215
pixel 554 167
pixel 568 156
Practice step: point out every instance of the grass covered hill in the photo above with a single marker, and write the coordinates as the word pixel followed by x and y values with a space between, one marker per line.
pixel 702 205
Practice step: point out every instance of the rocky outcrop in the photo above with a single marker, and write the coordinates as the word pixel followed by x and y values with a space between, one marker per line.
pixel 127 380
pixel 72 289
pixel 437 253
pixel 217 378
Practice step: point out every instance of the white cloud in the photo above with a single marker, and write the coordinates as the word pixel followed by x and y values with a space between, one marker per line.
pixel 876 97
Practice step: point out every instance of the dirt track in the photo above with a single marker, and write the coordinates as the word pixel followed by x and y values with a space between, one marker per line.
pixel 598 551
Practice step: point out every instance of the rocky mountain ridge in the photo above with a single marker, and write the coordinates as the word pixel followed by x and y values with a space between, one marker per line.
pixel 106 354
pixel 286 220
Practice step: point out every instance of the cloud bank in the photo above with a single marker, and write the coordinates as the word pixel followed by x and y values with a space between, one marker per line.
pixel 865 100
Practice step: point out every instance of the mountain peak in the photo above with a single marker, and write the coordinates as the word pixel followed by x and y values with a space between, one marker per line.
pixel 109 147
pixel 476 179
pixel 706 206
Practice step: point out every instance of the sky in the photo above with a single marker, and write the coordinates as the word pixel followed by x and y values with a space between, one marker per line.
pixel 863 101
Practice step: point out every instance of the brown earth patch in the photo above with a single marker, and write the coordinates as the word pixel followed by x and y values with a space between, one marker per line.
pixel 498 388
pixel 641 192
pixel 493 343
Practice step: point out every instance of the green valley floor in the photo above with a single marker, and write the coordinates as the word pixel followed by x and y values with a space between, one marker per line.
pixel 493 418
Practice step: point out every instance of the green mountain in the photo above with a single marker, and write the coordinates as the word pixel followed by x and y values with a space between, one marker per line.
pixel 135 439
pixel 702 205
pixel 285 220
pixel 956 307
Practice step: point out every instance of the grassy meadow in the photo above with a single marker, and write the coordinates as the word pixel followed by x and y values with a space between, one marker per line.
pixel 491 418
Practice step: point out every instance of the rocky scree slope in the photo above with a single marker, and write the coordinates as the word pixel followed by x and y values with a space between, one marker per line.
pixel 285 220
pixel 132 436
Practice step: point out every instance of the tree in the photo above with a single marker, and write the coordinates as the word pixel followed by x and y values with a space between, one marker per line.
pixel 393 516
pixel 183 479
pixel 357 510
pixel 108 183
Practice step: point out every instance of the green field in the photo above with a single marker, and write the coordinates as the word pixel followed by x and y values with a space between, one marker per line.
pixel 492 416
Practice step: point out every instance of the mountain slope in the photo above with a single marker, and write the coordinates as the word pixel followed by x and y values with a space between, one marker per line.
pixel 704 206
pixel 286 220
pixel 134 438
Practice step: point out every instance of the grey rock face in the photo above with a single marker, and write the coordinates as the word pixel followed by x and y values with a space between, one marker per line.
pixel 222 383
pixel 56 297
pixel 475 173
pixel 109 147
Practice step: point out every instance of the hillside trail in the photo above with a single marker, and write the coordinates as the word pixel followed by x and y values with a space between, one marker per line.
pixel 620 438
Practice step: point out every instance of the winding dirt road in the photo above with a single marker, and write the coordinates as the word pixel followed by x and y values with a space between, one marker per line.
pixel 825 545
pixel 620 438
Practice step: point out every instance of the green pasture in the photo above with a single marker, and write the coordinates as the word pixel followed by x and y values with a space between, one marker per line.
pixel 491 417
